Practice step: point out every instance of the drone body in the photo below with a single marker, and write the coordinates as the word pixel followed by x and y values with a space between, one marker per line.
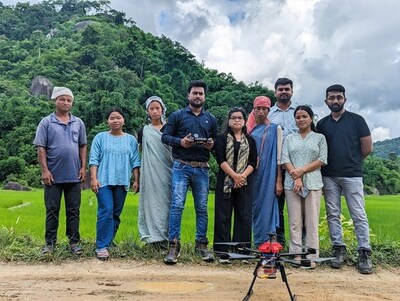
pixel 270 261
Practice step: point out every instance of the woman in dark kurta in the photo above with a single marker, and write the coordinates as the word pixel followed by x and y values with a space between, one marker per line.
pixel 236 157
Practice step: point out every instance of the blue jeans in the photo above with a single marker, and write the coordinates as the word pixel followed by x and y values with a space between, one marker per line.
pixel 110 200
pixel 352 189
pixel 183 176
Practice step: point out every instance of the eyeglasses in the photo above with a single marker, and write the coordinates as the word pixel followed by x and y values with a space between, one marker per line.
pixel 239 118
pixel 333 97
pixel 261 109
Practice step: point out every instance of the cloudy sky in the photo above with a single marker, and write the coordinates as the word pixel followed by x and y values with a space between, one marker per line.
pixel 316 43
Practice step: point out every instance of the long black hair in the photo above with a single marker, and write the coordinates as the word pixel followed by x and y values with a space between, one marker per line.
pixel 309 112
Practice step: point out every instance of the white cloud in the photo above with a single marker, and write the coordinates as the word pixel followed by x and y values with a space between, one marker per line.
pixel 380 133
pixel 314 42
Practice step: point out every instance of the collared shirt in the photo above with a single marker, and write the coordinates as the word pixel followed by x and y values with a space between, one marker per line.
pixel 344 145
pixel 284 118
pixel 62 142
pixel 184 122
pixel 302 151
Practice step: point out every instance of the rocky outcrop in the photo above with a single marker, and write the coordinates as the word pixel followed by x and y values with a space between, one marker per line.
pixel 41 86
pixel 16 186
pixel 82 25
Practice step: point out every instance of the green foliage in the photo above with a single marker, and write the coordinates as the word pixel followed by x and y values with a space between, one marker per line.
pixel 381 174
pixel 349 237
pixel 11 165
pixel 109 62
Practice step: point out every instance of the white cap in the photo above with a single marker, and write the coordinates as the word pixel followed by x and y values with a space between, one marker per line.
pixel 58 91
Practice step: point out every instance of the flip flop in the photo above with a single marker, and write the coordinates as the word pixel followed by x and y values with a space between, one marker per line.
pixel 76 249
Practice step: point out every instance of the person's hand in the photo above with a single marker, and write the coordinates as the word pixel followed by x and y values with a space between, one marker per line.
pixel 296 173
pixel 278 188
pixel 82 174
pixel 135 186
pixel 239 180
pixel 187 141
pixel 47 177
pixel 298 184
pixel 209 144
pixel 94 185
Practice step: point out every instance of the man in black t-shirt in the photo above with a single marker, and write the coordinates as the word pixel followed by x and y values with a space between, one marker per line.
pixel 349 142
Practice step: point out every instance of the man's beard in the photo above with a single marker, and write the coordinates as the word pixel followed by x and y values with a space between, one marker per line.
pixel 194 104
pixel 336 108
pixel 285 100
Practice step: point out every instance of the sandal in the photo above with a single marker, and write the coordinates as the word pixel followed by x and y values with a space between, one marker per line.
pixel 75 249
pixel 47 250
pixel 102 254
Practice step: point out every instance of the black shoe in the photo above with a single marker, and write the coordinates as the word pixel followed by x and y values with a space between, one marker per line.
pixel 205 254
pixel 340 254
pixel 364 264
pixel 173 252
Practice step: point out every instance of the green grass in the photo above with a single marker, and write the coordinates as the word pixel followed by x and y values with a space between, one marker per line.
pixel 22 217
pixel 24 212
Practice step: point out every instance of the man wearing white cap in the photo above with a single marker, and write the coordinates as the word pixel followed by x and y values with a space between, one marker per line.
pixel 61 146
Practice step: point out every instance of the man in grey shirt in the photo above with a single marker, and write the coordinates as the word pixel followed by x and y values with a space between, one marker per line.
pixel 61 146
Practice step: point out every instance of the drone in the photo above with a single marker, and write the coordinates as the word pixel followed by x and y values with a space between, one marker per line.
pixel 270 261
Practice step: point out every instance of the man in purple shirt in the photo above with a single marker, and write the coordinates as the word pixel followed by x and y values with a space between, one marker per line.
pixel 61 147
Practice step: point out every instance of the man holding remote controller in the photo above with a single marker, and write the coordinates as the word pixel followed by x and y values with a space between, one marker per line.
pixel 191 132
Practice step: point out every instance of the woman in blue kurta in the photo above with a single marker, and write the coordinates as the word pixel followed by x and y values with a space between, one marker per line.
pixel 264 182
pixel 114 156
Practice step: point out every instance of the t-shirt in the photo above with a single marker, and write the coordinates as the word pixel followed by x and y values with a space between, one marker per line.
pixel 62 142
pixel 344 145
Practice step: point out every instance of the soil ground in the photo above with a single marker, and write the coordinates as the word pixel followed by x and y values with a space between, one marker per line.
pixel 91 279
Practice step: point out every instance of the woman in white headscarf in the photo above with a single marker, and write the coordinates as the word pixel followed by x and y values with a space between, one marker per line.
pixel 155 177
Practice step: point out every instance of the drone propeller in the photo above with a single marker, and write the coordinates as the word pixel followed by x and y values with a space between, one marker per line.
pixel 322 259
pixel 236 256
pixel 232 243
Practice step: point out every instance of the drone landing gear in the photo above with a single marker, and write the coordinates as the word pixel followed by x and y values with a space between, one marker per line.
pixel 284 279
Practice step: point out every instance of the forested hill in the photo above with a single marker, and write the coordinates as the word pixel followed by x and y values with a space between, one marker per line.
pixel 106 60
pixel 389 148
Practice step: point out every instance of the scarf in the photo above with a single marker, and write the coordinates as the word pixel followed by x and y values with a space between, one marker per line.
pixel 242 160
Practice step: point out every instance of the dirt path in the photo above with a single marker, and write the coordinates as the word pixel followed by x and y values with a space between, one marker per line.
pixel 133 280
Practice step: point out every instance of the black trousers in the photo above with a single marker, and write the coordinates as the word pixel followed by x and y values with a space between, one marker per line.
pixel 240 204
pixel 280 231
pixel 52 199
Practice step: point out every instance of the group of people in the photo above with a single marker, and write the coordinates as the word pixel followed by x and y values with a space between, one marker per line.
pixel 276 154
